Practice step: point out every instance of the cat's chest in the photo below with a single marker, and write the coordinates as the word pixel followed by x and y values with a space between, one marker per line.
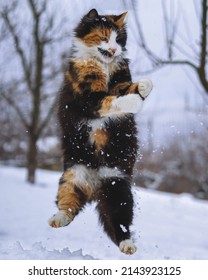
pixel 89 72
pixel 107 71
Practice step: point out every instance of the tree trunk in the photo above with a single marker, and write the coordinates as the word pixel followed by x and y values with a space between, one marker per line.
pixel 31 159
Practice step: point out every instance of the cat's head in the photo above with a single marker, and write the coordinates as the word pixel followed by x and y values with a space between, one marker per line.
pixel 101 37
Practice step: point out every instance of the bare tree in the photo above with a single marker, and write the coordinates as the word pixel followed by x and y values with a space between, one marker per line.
pixel 199 65
pixel 32 87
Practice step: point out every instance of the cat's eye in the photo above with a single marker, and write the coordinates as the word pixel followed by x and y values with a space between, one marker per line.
pixel 103 39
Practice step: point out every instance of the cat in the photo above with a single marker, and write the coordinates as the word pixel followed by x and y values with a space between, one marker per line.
pixel 96 112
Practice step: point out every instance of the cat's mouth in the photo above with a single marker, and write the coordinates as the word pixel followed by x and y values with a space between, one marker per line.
pixel 107 56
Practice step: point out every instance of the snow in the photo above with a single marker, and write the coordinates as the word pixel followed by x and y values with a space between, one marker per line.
pixel 166 226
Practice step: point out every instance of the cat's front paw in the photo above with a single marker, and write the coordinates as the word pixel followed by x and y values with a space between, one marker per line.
pixel 60 219
pixel 144 87
pixel 130 103
pixel 127 247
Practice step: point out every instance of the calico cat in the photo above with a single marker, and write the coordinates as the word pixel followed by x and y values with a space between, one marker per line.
pixel 96 111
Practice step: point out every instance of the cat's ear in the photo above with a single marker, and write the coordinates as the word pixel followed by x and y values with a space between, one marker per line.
pixel 92 14
pixel 120 20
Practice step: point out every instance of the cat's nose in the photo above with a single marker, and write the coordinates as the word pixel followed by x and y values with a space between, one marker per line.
pixel 112 50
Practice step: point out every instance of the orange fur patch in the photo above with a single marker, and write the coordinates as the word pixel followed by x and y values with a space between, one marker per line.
pixel 94 38
pixel 74 84
pixel 106 105
pixel 118 87
pixel 119 22
pixel 100 137
pixel 133 88
pixel 68 199
pixel 69 77
pixel 68 175
pixel 84 68
pixel 98 85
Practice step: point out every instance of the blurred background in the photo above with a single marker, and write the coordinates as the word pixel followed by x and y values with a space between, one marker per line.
pixel 167 42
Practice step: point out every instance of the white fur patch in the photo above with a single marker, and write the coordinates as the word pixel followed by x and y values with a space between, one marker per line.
pixel 84 176
pixel 107 172
pixel 112 44
pixel 98 123
pixel 82 51
pixel 131 103
pixel 60 219
pixel 127 247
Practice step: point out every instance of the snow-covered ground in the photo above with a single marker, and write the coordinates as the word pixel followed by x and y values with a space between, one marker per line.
pixel 166 226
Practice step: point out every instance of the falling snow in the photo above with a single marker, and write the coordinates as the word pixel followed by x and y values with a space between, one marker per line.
pixel 123 228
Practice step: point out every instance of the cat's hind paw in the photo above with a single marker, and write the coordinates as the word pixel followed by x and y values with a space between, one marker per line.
pixel 127 247
pixel 60 219
pixel 144 87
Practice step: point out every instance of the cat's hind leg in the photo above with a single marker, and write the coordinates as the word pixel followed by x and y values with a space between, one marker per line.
pixel 75 189
pixel 115 207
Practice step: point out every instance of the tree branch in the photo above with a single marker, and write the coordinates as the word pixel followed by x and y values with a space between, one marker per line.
pixel 203 35
pixel 185 62
pixel 18 48
pixel 200 67
pixel 47 118
pixel 13 104
pixel 203 56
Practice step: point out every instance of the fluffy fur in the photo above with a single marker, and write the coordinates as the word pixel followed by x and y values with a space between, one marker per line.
pixel 96 114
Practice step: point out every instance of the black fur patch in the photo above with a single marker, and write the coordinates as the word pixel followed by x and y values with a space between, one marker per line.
pixel 115 208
